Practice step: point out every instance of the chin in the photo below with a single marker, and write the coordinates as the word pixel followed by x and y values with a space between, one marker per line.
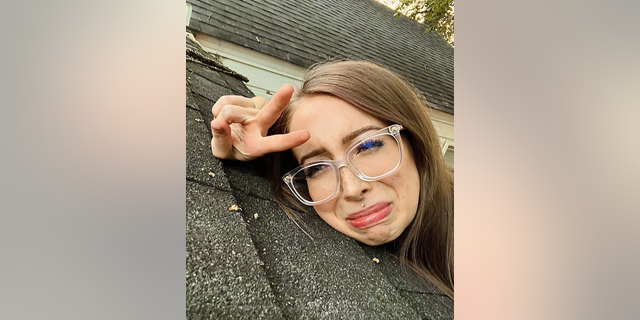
pixel 375 237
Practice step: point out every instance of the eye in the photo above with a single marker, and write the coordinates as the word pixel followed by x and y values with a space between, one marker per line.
pixel 313 170
pixel 368 145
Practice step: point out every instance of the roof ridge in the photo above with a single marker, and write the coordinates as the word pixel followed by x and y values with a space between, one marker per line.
pixel 196 53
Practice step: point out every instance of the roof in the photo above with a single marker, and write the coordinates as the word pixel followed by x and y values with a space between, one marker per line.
pixel 304 32
pixel 243 266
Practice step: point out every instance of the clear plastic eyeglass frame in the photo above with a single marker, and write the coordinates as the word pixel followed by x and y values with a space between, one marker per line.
pixel 392 130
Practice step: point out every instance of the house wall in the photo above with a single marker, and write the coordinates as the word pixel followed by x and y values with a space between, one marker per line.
pixel 443 123
pixel 267 74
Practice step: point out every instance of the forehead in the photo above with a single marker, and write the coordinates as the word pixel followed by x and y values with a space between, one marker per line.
pixel 323 111
pixel 327 119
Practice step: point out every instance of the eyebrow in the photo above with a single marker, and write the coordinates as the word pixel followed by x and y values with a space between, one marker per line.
pixel 345 140
pixel 312 154
pixel 348 138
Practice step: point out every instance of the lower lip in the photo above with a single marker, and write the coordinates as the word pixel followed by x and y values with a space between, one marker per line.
pixel 371 219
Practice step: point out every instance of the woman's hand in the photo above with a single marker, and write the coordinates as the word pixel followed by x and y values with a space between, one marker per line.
pixel 241 124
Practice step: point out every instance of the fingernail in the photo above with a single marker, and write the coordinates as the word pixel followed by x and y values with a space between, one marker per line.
pixel 217 130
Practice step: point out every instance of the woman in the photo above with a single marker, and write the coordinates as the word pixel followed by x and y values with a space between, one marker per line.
pixel 356 144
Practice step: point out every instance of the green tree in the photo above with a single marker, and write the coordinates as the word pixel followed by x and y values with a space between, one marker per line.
pixel 437 15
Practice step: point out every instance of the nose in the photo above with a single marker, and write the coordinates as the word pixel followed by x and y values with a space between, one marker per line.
pixel 352 187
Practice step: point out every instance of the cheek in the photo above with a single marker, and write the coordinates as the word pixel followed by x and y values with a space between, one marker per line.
pixel 326 212
pixel 405 183
pixel 407 187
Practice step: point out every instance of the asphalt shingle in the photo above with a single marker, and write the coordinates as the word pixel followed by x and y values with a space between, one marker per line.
pixel 310 31
pixel 328 277
pixel 201 164
pixel 223 272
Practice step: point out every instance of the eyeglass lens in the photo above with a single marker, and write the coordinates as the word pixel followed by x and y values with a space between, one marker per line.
pixel 373 157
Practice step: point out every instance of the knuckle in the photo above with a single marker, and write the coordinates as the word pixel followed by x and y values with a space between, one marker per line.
pixel 222 101
pixel 226 111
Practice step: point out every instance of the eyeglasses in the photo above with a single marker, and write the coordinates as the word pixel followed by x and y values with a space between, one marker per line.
pixel 372 158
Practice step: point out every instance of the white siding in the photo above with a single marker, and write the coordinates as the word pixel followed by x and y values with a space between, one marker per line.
pixel 266 74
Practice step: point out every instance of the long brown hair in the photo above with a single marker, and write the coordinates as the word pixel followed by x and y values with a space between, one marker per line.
pixel 426 245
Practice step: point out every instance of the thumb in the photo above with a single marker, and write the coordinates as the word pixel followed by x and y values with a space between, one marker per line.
pixel 221 144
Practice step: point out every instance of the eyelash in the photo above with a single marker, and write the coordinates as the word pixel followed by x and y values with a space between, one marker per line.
pixel 369 144
pixel 310 172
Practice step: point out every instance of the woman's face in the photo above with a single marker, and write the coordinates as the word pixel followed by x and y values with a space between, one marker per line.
pixel 393 199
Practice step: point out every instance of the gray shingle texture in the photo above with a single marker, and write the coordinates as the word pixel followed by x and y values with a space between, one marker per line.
pixel 242 267
pixel 224 276
pixel 304 32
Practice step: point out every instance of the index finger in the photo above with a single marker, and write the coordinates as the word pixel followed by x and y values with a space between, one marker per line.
pixel 271 112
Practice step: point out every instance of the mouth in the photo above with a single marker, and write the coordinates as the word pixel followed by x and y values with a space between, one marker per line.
pixel 371 216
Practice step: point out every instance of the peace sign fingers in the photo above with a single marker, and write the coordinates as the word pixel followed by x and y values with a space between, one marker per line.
pixel 272 111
